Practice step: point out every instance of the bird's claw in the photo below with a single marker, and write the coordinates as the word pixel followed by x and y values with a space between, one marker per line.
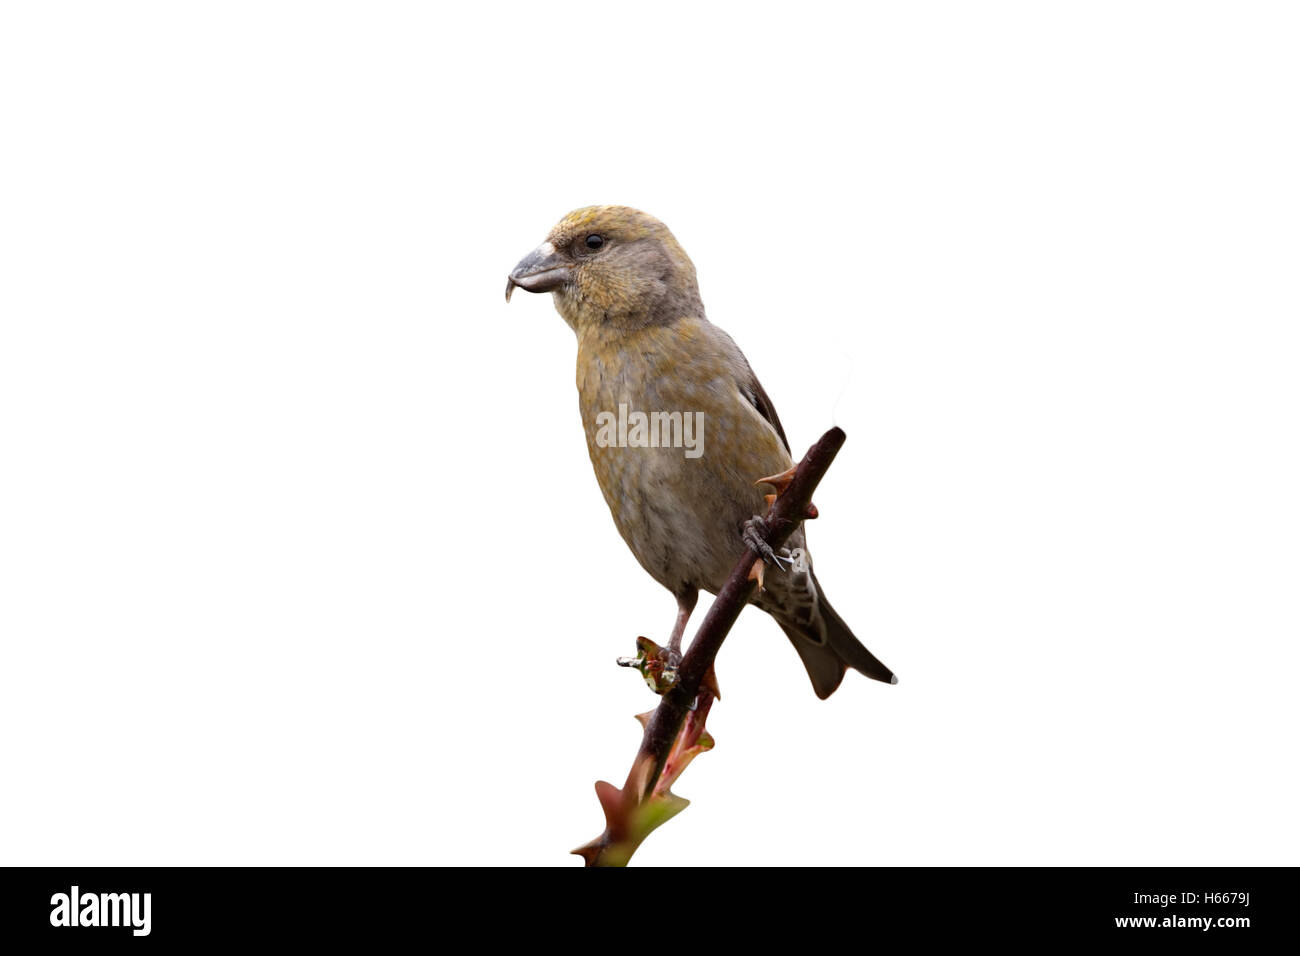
pixel 755 528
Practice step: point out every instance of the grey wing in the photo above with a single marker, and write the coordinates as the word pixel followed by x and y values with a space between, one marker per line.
pixel 749 384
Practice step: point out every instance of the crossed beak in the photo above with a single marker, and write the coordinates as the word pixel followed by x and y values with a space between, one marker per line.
pixel 542 270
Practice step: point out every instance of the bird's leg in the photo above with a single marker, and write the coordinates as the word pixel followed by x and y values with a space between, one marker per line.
pixel 686 599
pixel 658 665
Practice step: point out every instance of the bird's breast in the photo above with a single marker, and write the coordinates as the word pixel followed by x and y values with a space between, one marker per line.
pixel 675 451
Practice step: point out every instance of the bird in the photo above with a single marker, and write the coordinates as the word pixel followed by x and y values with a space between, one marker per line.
pixel 648 356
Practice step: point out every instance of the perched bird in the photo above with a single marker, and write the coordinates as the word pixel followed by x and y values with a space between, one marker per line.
pixel 678 427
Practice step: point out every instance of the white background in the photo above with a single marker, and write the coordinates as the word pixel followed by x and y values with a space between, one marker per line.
pixel 301 556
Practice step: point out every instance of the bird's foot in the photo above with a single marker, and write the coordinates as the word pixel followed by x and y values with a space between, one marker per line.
pixel 755 529
pixel 658 665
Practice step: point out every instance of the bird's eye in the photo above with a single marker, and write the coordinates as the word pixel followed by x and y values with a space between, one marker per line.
pixel 594 242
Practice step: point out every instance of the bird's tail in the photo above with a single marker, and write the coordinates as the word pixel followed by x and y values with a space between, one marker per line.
pixel 828 648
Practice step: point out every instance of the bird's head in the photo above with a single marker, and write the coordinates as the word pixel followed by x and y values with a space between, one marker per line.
pixel 611 265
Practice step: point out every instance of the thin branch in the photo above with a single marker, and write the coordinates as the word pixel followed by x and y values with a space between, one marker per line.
pixel 694 689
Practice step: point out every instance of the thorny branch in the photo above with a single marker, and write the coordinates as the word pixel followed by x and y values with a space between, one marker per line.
pixel 674 731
